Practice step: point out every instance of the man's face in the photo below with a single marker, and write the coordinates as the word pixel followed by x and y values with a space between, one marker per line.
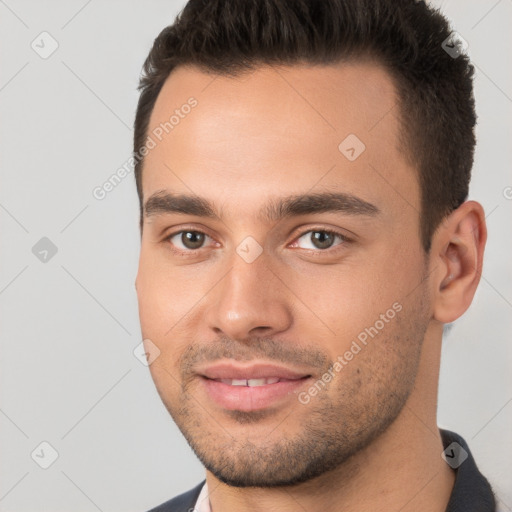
pixel 332 303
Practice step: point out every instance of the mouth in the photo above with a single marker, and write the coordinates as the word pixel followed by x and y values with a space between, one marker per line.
pixel 253 383
pixel 251 388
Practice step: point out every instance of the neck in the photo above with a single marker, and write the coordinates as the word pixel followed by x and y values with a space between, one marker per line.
pixel 401 470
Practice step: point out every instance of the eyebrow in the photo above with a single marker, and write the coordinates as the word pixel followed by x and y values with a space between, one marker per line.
pixel 275 209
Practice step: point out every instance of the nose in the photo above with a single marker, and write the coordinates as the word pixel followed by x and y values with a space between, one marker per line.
pixel 251 300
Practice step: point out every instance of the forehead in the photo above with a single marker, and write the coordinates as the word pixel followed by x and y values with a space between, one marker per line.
pixel 290 128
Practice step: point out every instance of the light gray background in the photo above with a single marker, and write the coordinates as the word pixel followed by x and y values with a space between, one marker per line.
pixel 69 326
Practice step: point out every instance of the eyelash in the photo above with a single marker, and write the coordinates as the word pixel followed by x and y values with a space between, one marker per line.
pixel 193 252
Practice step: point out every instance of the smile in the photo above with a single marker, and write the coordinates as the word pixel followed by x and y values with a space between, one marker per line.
pixel 249 382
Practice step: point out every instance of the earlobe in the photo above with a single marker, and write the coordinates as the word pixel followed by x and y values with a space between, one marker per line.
pixel 459 245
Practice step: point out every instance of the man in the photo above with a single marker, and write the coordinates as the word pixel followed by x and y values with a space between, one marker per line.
pixel 303 168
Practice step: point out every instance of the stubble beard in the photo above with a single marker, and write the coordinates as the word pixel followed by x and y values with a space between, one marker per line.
pixel 353 410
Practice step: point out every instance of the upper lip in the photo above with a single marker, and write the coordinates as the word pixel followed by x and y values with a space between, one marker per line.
pixel 226 370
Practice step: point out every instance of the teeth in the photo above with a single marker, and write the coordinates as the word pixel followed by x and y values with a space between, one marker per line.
pixel 249 382
pixel 256 382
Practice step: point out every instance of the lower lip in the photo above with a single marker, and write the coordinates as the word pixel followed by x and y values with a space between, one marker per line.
pixel 251 398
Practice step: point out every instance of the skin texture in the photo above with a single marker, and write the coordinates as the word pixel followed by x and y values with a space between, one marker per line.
pixel 368 439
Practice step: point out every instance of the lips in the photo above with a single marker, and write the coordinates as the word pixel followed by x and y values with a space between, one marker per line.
pixel 251 387
pixel 249 372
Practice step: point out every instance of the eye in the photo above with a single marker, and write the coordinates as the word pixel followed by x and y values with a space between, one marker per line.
pixel 320 239
pixel 187 240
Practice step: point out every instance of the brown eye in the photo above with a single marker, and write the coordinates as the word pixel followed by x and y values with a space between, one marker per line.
pixel 188 240
pixel 320 239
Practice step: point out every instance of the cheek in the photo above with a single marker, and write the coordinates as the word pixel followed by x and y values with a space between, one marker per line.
pixel 169 299
pixel 347 300
pixel 167 295
pixel 344 300
pixel 156 293
pixel 160 308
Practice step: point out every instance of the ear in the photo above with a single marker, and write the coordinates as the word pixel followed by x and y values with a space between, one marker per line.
pixel 457 256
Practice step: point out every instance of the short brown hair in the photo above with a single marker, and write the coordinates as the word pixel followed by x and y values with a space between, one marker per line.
pixel 435 88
